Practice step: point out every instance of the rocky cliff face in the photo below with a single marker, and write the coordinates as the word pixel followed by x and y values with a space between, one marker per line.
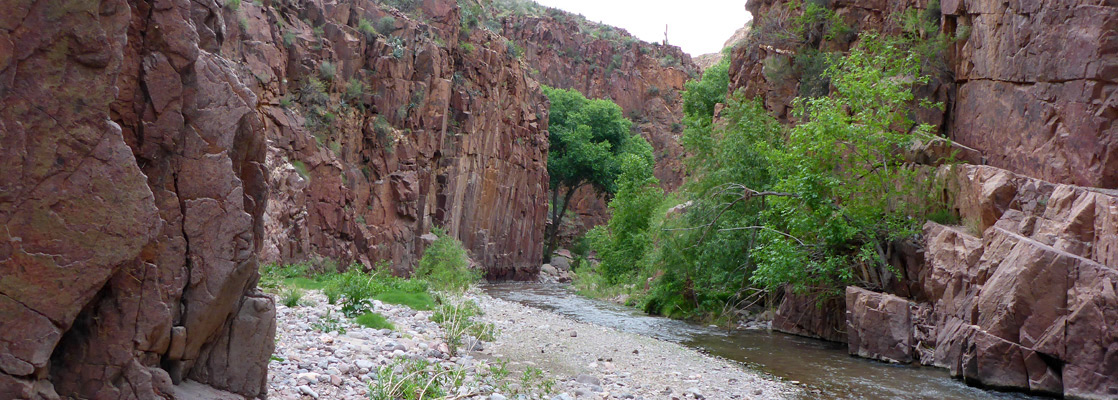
pixel 132 198
pixel 1052 65
pixel 378 131
pixel 1022 296
pixel 141 140
pixel 565 51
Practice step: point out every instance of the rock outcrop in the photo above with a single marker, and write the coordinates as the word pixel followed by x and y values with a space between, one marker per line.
pixel 377 136
pixel 1057 77
pixel 704 61
pixel 132 197
pixel 645 79
pixel 1022 298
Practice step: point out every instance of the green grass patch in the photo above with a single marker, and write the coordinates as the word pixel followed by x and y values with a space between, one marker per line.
pixel 420 301
pixel 305 283
pixel 374 321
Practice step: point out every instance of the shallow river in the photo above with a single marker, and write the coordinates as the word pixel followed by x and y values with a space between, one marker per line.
pixel 823 366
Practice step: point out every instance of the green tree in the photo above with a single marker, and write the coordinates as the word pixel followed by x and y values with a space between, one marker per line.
pixel 587 138
pixel 624 243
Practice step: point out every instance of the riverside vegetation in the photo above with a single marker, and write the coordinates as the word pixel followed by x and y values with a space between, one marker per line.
pixel 438 286
pixel 813 206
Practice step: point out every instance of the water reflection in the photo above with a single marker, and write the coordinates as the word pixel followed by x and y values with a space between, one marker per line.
pixel 823 366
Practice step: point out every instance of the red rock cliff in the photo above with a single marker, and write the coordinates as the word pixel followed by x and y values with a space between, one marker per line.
pixel 153 151
pixel 442 135
pixel 131 225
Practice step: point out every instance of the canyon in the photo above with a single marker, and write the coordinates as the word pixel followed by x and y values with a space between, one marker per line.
pixel 155 153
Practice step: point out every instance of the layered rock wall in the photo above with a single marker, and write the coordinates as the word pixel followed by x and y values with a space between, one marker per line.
pixel 434 135
pixel 565 51
pixel 132 198
pixel 1022 297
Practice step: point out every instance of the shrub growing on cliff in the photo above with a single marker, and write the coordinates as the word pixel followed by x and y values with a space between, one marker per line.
pixel 445 264
pixel 366 27
pixel 327 70
pixel 386 25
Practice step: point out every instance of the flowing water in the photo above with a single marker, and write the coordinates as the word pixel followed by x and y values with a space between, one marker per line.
pixel 824 367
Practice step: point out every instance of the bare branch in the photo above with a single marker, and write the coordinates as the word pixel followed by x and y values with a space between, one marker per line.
pixel 801 242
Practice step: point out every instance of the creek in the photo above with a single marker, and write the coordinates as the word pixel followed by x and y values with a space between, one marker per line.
pixel 823 367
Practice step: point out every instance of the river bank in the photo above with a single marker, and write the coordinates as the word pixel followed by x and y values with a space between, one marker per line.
pixel 322 355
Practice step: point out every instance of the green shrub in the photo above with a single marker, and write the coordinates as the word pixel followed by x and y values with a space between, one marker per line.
pixel 327 70
pixel 301 168
pixel 386 25
pixel 623 243
pixel 366 27
pixel 383 132
pixel 288 38
pixel 233 4
pixel 313 93
pixel 466 47
pixel 374 320
pixel 415 379
pixel 354 289
pixel 446 265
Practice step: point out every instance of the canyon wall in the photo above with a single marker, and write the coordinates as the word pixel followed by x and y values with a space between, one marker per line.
pixel 1021 295
pixel 379 131
pixel 154 152
pixel 566 51
pixel 132 201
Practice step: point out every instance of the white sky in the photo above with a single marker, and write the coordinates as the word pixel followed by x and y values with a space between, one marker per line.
pixel 697 26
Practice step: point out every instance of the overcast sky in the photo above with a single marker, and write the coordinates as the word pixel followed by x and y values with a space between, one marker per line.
pixel 697 26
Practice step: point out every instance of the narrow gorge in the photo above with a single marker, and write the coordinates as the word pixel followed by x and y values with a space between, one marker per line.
pixel 160 160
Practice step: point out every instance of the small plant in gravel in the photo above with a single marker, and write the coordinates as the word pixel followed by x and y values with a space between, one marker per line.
pixel 292 296
pixel 329 323
pixel 416 379
pixel 456 318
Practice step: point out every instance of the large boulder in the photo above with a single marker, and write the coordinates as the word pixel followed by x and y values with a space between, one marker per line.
pixel 878 325
pixel 806 315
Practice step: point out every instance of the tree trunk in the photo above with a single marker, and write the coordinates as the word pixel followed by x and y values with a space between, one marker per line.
pixel 557 213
